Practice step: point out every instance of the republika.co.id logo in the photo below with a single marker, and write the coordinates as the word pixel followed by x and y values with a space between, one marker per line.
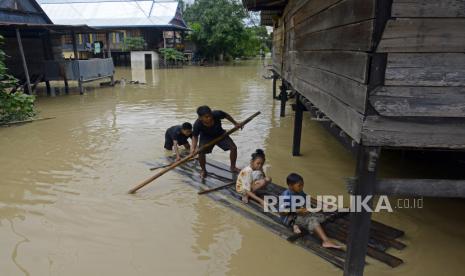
pixel 331 203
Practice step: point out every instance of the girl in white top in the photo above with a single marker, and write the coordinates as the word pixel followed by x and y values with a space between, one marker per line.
pixel 252 177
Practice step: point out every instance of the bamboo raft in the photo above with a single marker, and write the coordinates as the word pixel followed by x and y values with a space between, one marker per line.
pixel 382 237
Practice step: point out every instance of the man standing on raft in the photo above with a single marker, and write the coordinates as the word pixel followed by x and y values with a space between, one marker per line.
pixel 209 127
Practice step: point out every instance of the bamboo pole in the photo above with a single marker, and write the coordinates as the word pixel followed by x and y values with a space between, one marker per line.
pixel 25 121
pixel 166 165
pixel 216 188
pixel 190 156
pixel 23 59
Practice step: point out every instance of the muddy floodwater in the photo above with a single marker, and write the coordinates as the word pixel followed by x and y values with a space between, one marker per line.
pixel 64 207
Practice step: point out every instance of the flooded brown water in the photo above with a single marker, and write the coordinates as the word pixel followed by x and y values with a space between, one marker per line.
pixel 64 208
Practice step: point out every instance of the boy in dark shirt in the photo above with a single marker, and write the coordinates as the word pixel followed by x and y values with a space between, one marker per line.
pixel 176 136
pixel 208 127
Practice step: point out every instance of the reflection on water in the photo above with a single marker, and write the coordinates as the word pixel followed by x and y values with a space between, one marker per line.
pixel 64 208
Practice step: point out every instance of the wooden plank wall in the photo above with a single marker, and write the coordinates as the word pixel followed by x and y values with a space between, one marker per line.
pixel 422 101
pixel 278 39
pixel 328 50
pixel 425 74
pixel 326 56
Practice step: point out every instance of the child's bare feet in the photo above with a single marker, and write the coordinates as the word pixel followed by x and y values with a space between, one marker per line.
pixel 330 244
pixel 235 170
pixel 296 229
pixel 245 199
pixel 203 174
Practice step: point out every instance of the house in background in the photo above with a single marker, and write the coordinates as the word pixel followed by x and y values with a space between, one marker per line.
pixel 34 54
pixel 159 23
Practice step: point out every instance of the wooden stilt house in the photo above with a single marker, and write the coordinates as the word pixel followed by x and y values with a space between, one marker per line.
pixel 378 74
pixel 34 51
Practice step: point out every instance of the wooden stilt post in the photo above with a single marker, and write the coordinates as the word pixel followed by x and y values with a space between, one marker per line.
pixel 75 51
pixel 76 59
pixel 174 39
pixel 283 98
pixel 23 59
pixel 299 110
pixel 66 85
pixel 47 85
pixel 81 88
pixel 275 77
pixel 107 35
pixel 359 229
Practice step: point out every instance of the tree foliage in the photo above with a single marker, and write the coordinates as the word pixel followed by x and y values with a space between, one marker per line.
pixel 170 54
pixel 218 29
pixel 134 43
pixel 14 106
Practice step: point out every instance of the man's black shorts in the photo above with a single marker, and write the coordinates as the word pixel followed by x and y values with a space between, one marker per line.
pixel 226 144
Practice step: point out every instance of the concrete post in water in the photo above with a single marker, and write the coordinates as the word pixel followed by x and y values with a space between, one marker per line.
pixel 23 59
pixel 359 229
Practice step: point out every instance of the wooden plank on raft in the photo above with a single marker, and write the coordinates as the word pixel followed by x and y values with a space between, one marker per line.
pixel 428 35
pixel 419 101
pixel 353 37
pixel 337 15
pixel 441 69
pixel 346 90
pixel 346 117
pixel 446 188
pixel 381 236
pixel 390 132
pixel 250 211
pixel 428 8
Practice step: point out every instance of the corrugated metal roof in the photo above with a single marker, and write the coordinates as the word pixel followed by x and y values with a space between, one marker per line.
pixel 111 13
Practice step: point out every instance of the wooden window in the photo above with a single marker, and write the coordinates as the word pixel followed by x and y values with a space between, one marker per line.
pixel 100 37
pixel 68 39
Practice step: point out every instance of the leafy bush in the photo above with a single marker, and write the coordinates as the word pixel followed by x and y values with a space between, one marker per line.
pixel 170 54
pixel 134 43
pixel 15 106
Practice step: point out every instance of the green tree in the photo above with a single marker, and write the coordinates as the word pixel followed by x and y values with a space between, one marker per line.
pixel 172 55
pixel 14 106
pixel 252 41
pixel 134 43
pixel 217 27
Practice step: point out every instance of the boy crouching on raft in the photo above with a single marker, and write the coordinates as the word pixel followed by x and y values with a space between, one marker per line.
pixel 302 218
pixel 252 178
pixel 176 136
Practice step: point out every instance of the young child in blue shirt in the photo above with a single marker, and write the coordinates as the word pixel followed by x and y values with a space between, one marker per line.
pixel 302 218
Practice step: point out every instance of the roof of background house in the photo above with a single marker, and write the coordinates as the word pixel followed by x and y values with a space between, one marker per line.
pixel 22 11
pixel 114 13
